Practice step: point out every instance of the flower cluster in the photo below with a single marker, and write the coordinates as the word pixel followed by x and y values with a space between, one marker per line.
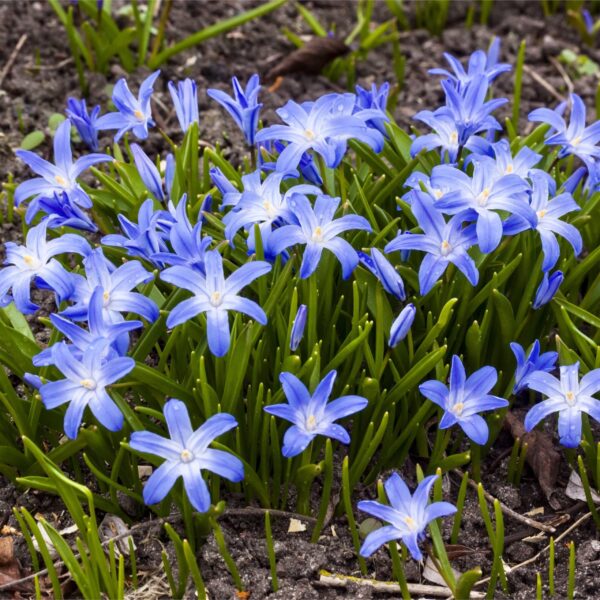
pixel 163 267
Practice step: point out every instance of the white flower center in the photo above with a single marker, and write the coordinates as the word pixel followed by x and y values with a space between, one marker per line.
pixel 541 213
pixel 139 115
pixel 317 235
pixel 269 209
pixel 483 197
pixel 437 193
pixel 454 137
pixel 88 384
pixel 309 134
pixel 216 299
pixel 570 398
pixel 576 141
pixel 509 169
pixel 106 298
pixel 458 408
pixel 32 262
pixel 186 456
pixel 445 248
pixel 311 423
pixel 61 181
pixel 412 525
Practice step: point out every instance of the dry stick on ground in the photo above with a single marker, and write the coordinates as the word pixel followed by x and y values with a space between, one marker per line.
pixel 563 74
pixel 415 589
pixel 250 511
pixel 543 550
pixel 509 511
pixel 539 79
pixel 12 58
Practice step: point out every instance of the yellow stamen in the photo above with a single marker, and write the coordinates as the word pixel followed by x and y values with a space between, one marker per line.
pixel 317 235
pixel 310 134
pixel 458 408
pixel 541 213
pixel 483 196
pixel 445 247
pixel 311 422
pixel 454 137
pixel 89 384
pixel 215 298
pixel 576 141
pixel 139 115
pixel 509 169
pixel 570 396
pixel 186 456
pixel 410 522
pixel 60 180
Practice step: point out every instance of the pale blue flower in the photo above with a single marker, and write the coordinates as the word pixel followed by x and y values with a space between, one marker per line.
pixel 186 454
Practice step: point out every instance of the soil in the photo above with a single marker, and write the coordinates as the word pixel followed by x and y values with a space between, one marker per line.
pixel 38 85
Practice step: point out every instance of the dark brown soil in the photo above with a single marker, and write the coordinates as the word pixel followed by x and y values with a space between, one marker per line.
pixel 38 86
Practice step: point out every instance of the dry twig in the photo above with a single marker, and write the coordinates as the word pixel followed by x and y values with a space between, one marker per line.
pixel 415 589
pixel 12 58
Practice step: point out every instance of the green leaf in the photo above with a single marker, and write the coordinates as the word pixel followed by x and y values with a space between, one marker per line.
pixel 32 140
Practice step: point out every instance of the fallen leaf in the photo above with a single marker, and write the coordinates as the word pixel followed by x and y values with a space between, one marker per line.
pixel 575 491
pixel 114 527
pixel 431 573
pixel 310 58
pixel 542 456
pixel 296 526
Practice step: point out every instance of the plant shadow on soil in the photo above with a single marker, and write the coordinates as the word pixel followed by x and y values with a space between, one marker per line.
pixel 35 88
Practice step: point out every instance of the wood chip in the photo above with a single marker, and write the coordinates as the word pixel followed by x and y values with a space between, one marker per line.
pixel 296 526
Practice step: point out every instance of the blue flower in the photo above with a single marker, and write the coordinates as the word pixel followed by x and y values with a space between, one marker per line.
pixel 408 515
pixel 216 296
pixel 547 221
pixel 148 172
pixel 520 164
pixel 133 113
pixel 319 230
pixel 186 454
pixel 465 398
pixel 143 239
pixel 185 99
pixel 482 195
pixel 244 107
pixel 116 284
pixel 231 195
pixel 469 108
pixel 569 397
pixel 575 138
pixel 380 266
pixel 588 20
pixel 62 212
pixel 298 327
pixel 86 124
pixel 307 166
pixel 60 177
pixel 85 384
pixel 480 64
pixel 34 261
pixel 312 415
pixel 375 99
pixel 98 327
pixel 324 126
pixel 402 324
pixel 444 243
pixel 263 204
pixel 446 135
pixel 527 364
pixel 187 243
pixel 547 288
